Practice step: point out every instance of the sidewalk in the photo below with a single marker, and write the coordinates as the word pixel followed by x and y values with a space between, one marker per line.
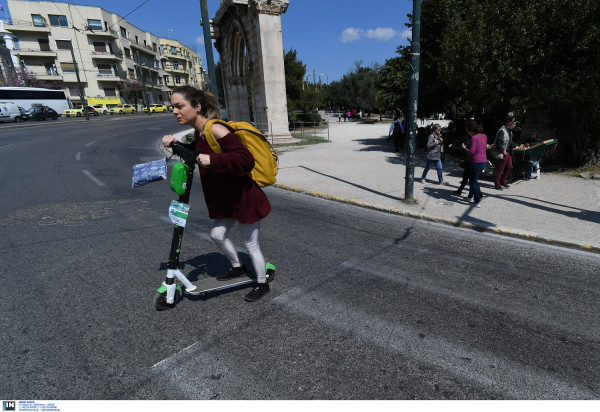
pixel 359 167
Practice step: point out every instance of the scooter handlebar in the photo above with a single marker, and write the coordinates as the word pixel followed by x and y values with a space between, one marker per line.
pixel 188 155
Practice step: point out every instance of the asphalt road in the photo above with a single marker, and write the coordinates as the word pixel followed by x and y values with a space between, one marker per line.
pixel 365 305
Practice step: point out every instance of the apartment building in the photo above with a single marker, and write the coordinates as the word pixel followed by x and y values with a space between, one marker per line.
pixel 182 65
pixel 67 45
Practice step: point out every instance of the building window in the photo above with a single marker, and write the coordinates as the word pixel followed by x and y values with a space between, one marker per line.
pixel 167 80
pixel 38 20
pixel 127 53
pixel 110 92
pixel 136 40
pixel 44 44
pixel 123 32
pixel 177 80
pixel 67 67
pixel 105 70
pixel 56 20
pixel 176 65
pixel 173 50
pixel 131 73
pixel 95 24
pixel 154 47
pixel 63 44
pixel 99 46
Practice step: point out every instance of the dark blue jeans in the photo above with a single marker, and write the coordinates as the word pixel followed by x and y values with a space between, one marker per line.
pixel 474 190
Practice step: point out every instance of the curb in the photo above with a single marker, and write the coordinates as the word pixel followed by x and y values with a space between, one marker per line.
pixel 500 230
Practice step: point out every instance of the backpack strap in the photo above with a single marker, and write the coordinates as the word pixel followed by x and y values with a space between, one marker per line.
pixel 210 138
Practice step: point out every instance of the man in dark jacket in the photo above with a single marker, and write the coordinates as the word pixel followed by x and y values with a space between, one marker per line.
pixel 503 146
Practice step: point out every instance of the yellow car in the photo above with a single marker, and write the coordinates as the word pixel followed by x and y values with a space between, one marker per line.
pixel 122 108
pixel 156 108
pixel 79 111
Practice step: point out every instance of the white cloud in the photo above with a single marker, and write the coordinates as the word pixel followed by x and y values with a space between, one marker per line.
pixel 381 34
pixel 352 34
pixel 406 35
pixel 200 40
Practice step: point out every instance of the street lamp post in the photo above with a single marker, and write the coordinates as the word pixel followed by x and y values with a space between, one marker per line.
pixel 413 98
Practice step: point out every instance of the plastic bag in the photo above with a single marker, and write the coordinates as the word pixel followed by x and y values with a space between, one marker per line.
pixel 149 172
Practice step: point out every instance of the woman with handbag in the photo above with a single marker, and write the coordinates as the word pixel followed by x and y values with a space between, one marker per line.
pixel 435 151
pixel 466 165
pixel 477 150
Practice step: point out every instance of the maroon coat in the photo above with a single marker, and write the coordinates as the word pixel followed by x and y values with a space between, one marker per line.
pixel 228 190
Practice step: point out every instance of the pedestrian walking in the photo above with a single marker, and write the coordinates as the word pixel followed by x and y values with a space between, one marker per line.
pixel 502 151
pixel 477 149
pixel 435 148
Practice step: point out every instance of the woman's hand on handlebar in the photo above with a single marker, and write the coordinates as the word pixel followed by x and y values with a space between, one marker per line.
pixel 168 139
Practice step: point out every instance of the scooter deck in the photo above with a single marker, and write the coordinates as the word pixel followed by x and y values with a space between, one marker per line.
pixel 211 284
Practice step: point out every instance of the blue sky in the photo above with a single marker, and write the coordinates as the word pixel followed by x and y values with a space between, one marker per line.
pixel 328 35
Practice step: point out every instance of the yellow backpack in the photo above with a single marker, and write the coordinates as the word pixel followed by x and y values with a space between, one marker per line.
pixel 265 158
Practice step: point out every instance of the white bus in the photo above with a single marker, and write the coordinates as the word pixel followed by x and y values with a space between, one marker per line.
pixel 28 97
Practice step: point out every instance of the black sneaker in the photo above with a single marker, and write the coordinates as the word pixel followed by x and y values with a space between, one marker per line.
pixel 506 185
pixel 457 192
pixel 498 187
pixel 257 292
pixel 232 273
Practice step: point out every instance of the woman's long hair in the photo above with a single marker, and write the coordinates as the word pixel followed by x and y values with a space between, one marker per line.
pixel 208 104
pixel 473 126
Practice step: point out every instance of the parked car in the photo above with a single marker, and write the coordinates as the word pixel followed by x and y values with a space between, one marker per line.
pixel 156 108
pixel 122 108
pixel 9 112
pixel 41 113
pixel 100 108
pixel 79 111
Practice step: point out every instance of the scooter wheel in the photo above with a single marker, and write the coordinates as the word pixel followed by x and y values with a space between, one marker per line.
pixel 160 300
pixel 270 275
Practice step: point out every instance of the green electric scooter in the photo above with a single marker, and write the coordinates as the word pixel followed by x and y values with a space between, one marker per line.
pixel 170 292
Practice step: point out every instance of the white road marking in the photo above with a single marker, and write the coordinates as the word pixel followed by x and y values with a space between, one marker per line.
pixel 93 178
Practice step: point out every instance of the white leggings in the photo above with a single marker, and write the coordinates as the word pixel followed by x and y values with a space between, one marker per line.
pixel 219 234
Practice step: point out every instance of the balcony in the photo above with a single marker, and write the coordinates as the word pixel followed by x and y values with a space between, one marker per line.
pixel 48 73
pixel 101 33
pixel 110 77
pixel 170 68
pixel 23 25
pixel 34 53
pixel 142 47
pixel 106 55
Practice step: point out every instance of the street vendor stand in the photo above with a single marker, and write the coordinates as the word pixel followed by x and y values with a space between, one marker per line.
pixel 522 155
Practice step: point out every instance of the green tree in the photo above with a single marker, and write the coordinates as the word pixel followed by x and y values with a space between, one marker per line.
pixel 356 89
pixel 131 90
pixel 11 77
pixel 392 88
pixel 294 76
pixel 492 57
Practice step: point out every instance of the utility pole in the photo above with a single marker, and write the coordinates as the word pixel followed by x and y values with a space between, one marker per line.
pixel 413 97
pixel 210 61
pixel 81 94
pixel 141 73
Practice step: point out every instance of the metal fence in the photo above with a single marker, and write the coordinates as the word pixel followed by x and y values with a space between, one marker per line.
pixel 298 131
